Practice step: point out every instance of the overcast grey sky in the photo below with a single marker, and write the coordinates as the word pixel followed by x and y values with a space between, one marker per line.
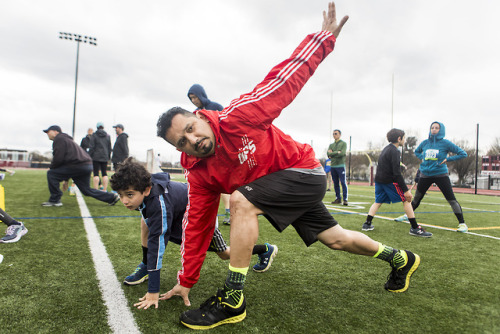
pixel 444 56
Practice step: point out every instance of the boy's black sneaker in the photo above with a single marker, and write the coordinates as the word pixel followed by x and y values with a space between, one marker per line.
pixel 420 232
pixel 213 312
pixel 399 279
pixel 367 227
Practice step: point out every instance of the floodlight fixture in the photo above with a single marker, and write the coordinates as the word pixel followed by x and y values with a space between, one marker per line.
pixel 77 38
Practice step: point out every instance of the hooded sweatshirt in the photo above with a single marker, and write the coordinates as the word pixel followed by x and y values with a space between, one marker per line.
pixel 120 149
pixel 434 150
pixel 200 94
pixel 100 146
pixel 162 210
pixel 67 153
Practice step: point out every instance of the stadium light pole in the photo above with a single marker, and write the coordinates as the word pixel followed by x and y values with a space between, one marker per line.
pixel 78 39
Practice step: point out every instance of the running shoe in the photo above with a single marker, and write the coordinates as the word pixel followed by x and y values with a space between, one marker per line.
pixel 52 204
pixel 367 227
pixel 403 218
pixel 138 276
pixel 337 201
pixel 399 279
pixel 462 228
pixel 420 232
pixel 14 233
pixel 266 259
pixel 215 311
pixel 115 200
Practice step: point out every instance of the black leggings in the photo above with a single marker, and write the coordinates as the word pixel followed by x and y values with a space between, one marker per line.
pixel 5 218
pixel 444 184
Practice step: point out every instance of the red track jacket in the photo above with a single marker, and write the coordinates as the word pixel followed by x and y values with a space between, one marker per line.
pixel 248 146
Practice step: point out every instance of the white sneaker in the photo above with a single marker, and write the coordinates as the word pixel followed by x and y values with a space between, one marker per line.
pixel 403 218
pixel 462 228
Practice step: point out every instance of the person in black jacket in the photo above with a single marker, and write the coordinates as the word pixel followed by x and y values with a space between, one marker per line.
pixel 100 152
pixel 390 186
pixel 120 149
pixel 85 144
pixel 71 161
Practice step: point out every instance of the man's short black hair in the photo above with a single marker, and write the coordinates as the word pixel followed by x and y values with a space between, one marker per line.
pixel 340 132
pixel 394 134
pixel 130 174
pixel 165 121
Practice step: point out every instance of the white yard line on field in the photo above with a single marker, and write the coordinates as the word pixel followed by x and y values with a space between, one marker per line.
pixel 120 318
pixel 330 207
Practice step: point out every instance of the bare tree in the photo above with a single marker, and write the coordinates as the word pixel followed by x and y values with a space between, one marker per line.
pixel 495 147
pixel 464 168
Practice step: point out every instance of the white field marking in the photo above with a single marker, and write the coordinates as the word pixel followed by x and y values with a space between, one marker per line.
pixel 120 318
pixel 330 207
pixel 438 198
pixel 446 204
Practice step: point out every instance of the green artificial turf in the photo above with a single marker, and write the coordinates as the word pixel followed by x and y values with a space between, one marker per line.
pixel 49 285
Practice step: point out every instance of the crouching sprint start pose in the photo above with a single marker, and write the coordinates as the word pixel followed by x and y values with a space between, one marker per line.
pixel 240 152
pixel 162 204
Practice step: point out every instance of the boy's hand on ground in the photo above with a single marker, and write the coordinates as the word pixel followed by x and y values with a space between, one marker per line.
pixel 178 290
pixel 148 300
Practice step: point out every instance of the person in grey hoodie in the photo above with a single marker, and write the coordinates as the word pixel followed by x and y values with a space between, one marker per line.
pixel 100 152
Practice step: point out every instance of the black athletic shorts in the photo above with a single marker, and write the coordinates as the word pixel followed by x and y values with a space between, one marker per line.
pixel 100 166
pixel 292 198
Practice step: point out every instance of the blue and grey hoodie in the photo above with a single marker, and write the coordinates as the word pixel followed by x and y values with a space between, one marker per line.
pixel 434 150
pixel 200 93
pixel 162 210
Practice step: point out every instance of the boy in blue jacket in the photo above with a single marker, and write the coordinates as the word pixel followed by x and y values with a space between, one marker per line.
pixel 162 204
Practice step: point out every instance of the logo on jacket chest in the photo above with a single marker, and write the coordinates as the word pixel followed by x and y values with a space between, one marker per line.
pixel 246 153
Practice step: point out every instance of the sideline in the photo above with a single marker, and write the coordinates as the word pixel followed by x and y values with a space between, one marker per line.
pixel 120 318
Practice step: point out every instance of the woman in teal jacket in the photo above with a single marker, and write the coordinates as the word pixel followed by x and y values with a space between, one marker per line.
pixel 434 153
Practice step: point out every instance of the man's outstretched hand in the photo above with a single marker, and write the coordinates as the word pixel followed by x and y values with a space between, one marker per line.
pixel 178 290
pixel 330 20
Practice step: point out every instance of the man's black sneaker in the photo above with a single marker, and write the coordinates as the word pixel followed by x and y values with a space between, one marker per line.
pixel 367 227
pixel 337 201
pixel 399 279
pixel 215 311
pixel 420 232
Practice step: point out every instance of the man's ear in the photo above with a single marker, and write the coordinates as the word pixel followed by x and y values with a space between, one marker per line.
pixel 147 191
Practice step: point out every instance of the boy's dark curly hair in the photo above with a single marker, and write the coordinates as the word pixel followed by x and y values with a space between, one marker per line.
pixel 394 134
pixel 130 174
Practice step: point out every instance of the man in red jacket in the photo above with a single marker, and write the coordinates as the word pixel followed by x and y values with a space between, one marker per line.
pixel 240 152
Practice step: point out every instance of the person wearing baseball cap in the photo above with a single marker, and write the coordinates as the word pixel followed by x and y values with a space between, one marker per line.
pixel 71 161
pixel 120 149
